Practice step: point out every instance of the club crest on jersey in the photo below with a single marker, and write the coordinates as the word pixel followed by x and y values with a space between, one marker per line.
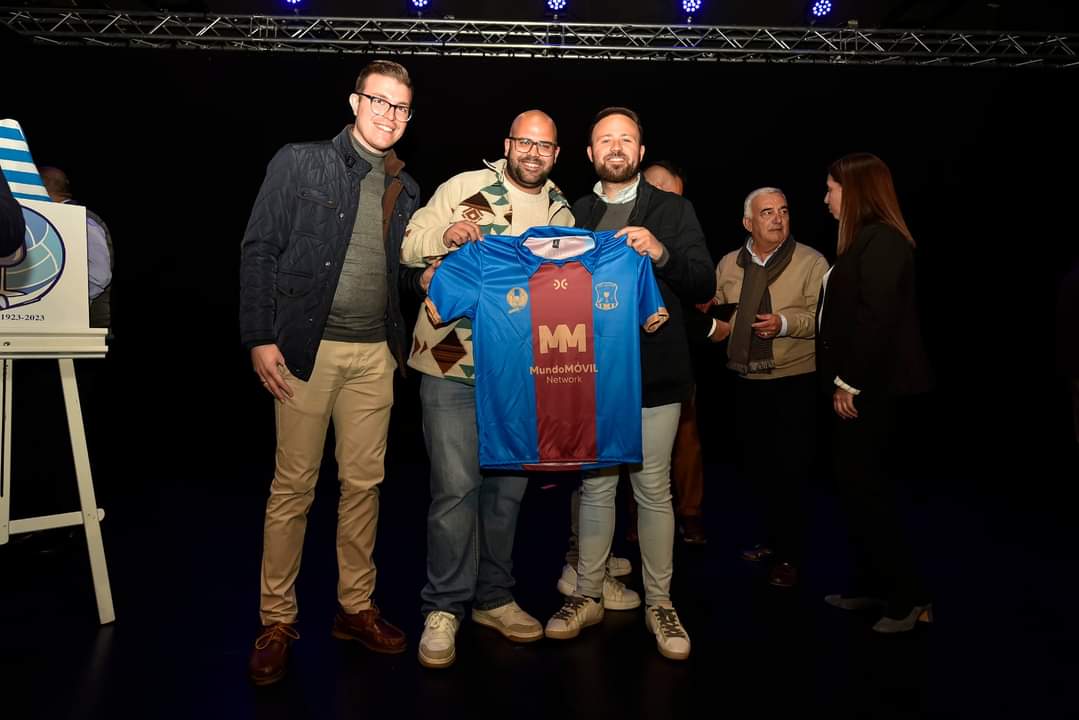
pixel 606 295
pixel 517 299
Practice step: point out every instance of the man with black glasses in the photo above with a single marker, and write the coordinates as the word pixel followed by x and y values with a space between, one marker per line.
pixel 473 516
pixel 320 314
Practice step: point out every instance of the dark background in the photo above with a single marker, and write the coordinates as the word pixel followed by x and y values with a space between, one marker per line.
pixel 170 147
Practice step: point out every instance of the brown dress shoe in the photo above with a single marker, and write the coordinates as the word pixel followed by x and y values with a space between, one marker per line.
pixel 369 629
pixel 693 530
pixel 783 575
pixel 269 660
pixel 757 553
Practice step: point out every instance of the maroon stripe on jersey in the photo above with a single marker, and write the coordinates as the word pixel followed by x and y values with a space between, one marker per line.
pixel 552 467
pixel 564 363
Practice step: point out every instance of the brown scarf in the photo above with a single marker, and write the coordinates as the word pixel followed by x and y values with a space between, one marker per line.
pixel 746 351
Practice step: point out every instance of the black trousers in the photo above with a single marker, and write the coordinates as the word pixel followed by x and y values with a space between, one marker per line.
pixel 865 454
pixel 777 421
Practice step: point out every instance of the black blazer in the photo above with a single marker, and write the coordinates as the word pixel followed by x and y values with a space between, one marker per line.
pixel 12 226
pixel 689 274
pixel 869 332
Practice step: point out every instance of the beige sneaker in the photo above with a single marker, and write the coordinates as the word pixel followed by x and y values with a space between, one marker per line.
pixel 618 567
pixel 671 638
pixel 438 643
pixel 616 596
pixel 576 613
pixel 510 620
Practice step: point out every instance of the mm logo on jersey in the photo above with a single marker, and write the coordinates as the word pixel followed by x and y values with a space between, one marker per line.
pixel 562 338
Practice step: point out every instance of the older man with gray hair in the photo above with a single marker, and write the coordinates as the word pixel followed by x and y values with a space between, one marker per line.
pixel 775 282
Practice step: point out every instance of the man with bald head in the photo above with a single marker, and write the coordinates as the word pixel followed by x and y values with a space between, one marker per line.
pixel 687 467
pixel 665 176
pixel 473 516
pixel 98 247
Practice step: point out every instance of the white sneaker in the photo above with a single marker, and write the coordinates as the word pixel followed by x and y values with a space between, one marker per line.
pixel 510 620
pixel 671 638
pixel 616 596
pixel 437 645
pixel 618 567
pixel 576 613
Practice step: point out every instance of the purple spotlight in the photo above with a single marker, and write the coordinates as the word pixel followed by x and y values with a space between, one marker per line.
pixel 691 6
pixel 293 3
pixel 419 4
pixel 556 5
pixel 821 8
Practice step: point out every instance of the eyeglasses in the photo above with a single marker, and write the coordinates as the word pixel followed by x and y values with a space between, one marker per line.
pixel 380 107
pixel 525 145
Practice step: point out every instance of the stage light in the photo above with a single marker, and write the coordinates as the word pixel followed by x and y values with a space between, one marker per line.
pixel 419 4
pixel 556 5
pixel 293 4
pixel 689 7
pixel 820 8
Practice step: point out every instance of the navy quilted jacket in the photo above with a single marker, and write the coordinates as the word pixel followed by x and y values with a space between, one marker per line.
pixel 295 244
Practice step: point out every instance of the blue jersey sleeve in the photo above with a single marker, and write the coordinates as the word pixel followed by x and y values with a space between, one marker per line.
pixel 650 308
pixel 455 287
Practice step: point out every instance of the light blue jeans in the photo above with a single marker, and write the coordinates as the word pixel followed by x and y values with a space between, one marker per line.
pixel 473 516
pixel 651 483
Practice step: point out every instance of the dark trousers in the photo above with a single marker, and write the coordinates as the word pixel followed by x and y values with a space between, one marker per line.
pixel 777 422
pixel 873 497
pixel 687 468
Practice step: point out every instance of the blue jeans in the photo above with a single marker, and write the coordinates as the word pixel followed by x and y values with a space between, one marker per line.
pixel 473 516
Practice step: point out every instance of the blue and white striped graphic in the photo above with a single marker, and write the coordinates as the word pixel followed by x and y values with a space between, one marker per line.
pixel 17 165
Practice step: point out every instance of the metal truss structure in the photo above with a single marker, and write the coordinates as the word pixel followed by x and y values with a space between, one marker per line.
pixel 562 40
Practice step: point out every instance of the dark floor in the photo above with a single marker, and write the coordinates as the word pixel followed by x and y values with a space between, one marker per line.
pixel 183 554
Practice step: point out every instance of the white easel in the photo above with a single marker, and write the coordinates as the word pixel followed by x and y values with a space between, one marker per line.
pixel 48 318
pixel 63 348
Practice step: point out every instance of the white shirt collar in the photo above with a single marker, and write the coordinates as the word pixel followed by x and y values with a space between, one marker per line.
pixel 624 195
pixel 759 260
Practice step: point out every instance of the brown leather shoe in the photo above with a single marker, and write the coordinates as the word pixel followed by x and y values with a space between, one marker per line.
pixel 757 553
pixel 693 530
pixel 269 660
pixel 783 575
pixel 369 629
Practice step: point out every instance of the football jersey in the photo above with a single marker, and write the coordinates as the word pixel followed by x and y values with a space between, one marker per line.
pixel 555 316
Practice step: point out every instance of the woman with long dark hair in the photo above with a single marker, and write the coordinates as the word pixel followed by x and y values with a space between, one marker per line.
pixel 869 355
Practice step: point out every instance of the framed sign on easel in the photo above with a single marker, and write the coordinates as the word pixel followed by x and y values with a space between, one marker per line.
pixel 44 313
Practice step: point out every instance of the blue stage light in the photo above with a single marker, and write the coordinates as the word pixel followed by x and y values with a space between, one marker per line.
pixel 691 6
pixel 292 4
pixel 419 4
pixel 556 5
pixel 821 8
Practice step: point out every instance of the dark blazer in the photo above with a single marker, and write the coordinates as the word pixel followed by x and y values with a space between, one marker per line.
pixel 687 274
pixel 295 245
pixel 869 333
pixel 12 227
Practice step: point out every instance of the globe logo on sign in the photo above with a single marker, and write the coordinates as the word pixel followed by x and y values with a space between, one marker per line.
pixel 38 271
